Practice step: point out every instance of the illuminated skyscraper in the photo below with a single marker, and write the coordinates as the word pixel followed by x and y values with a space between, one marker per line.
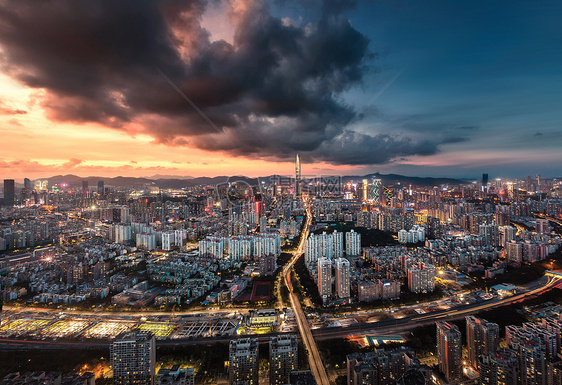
pixel 365 191
pixel 376 188
pixel 298 186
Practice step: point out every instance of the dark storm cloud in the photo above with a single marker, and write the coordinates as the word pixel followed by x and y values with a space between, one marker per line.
pixel 273 92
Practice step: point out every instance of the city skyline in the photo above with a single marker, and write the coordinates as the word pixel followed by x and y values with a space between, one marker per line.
pixel 225 88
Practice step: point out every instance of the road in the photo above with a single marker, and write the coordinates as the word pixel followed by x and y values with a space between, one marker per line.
pixel 380 327
pixel 314 360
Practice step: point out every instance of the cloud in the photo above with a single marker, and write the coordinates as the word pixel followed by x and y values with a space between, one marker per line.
pixel 274 91
pixel 74 165
pixel 7 110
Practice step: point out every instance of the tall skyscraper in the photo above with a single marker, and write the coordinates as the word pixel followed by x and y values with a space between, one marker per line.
pixel 243 364
pixel 342 278
pixel 449 350
pixel 482 338
pixel 365 190
pixel 101 187
pixel 376 190
pixel 27 184
pixel 133 358
pixel 324 278
pixel 84 186
pixel 484 182
pixel 9 192
pixel 283 356
pixel 298 186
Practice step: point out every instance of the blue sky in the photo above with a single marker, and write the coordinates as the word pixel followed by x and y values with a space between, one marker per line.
pixel 486 73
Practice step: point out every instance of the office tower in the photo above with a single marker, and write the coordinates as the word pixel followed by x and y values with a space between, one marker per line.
pixel 499 368
pixel 101 187
pixel 324 278
pixel 482 339
pixel 84 186
pixel 449 350
pixel 365 191
pixel 243 361
pixel 342 278
pixel 133 358
pixel 9 192
pixel 352 243
pixel 298 186
pixel 421 278
pixel 283 356
pixel 376 190
pixel 484 182
pixel 27 184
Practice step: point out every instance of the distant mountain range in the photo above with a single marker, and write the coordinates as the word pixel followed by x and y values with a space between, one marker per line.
pixel 175 182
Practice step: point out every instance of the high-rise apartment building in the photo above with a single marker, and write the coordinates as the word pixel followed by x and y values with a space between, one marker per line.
pixel 283 356
pixel 352 243
pixel 324 277
pixel 508 235
pixel 380 367
pixel 123 233
pixel 343 284
pixel 499 368
pixel 243 362
pixel 421 278
pixel 542 226
pixel 133 358
pixel 482 338
pixel 449 350
pixel 490 234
